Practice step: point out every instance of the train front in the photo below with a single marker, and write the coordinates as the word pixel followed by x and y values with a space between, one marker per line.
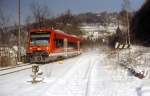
pixel 39 46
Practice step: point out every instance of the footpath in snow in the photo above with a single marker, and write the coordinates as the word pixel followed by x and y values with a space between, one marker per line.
pixel 93 73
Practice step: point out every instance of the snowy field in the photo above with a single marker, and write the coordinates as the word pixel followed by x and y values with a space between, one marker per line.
pixel 94 73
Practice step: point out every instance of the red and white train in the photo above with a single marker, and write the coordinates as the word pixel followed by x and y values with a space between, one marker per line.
pixel 49 44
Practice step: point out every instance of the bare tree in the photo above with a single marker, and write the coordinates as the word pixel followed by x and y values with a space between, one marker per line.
pixel 126 5
pixel 28 22
pixel 4 22
pixel 40 14
pixel 68 23
pixel 125 17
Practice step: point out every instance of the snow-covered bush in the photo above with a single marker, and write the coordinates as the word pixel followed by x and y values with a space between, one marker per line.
pixel 8 56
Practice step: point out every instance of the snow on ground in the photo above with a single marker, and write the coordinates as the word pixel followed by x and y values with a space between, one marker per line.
pixel 137 58
pixel 94 73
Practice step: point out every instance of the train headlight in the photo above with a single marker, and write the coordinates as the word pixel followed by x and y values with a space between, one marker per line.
pixel 38 49
pixel 30 48
pixel 47 48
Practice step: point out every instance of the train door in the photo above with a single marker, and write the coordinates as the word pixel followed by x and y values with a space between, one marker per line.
pixel 65 47
pixel 78 45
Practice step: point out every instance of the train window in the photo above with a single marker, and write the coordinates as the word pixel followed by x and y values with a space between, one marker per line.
pixel 40 39
pixel 40 42
pixel 72 45
pixel 59 43
pixel 40 35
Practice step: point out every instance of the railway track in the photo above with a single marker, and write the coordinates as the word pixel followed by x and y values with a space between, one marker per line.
pixel 17 68
pixel 14 67
pixel 14 71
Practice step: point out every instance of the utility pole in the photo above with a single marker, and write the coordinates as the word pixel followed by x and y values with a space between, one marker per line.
pixel 19 30
pixel 128 27
pixel 126 6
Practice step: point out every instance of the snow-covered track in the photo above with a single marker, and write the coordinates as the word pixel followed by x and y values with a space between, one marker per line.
pixel 14 69
pixel 21 65
pixel 88 77
pixel 17 68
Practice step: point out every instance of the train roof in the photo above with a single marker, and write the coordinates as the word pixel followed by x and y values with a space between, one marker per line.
pixel 56 31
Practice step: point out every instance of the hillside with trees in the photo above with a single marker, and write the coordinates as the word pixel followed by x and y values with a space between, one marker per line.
pixel 140 27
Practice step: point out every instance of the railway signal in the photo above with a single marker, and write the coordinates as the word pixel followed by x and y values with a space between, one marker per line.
pixel 36 74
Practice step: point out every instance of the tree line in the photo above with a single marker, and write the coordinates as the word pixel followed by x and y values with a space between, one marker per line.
pixel 42 17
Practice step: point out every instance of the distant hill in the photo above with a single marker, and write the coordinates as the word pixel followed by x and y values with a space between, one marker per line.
pixel 90 17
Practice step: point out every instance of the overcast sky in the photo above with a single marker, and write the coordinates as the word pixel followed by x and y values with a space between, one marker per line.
pixel 59 6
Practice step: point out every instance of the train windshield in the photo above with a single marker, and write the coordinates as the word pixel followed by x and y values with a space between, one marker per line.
pixel 40 39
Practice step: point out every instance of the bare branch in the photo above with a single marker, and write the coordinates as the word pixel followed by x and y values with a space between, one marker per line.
pixel 4 22
pixel 3 19
pixel 126 5
pixel 39 12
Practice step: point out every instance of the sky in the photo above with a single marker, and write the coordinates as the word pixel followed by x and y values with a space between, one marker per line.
pixel 59 6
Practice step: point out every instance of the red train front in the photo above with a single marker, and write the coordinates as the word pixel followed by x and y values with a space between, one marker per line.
pixel 47 44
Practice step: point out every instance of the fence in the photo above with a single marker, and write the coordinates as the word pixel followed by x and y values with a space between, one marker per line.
pixel 8 57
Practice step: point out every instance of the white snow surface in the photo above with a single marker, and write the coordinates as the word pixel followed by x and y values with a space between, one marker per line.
pixel 93 73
